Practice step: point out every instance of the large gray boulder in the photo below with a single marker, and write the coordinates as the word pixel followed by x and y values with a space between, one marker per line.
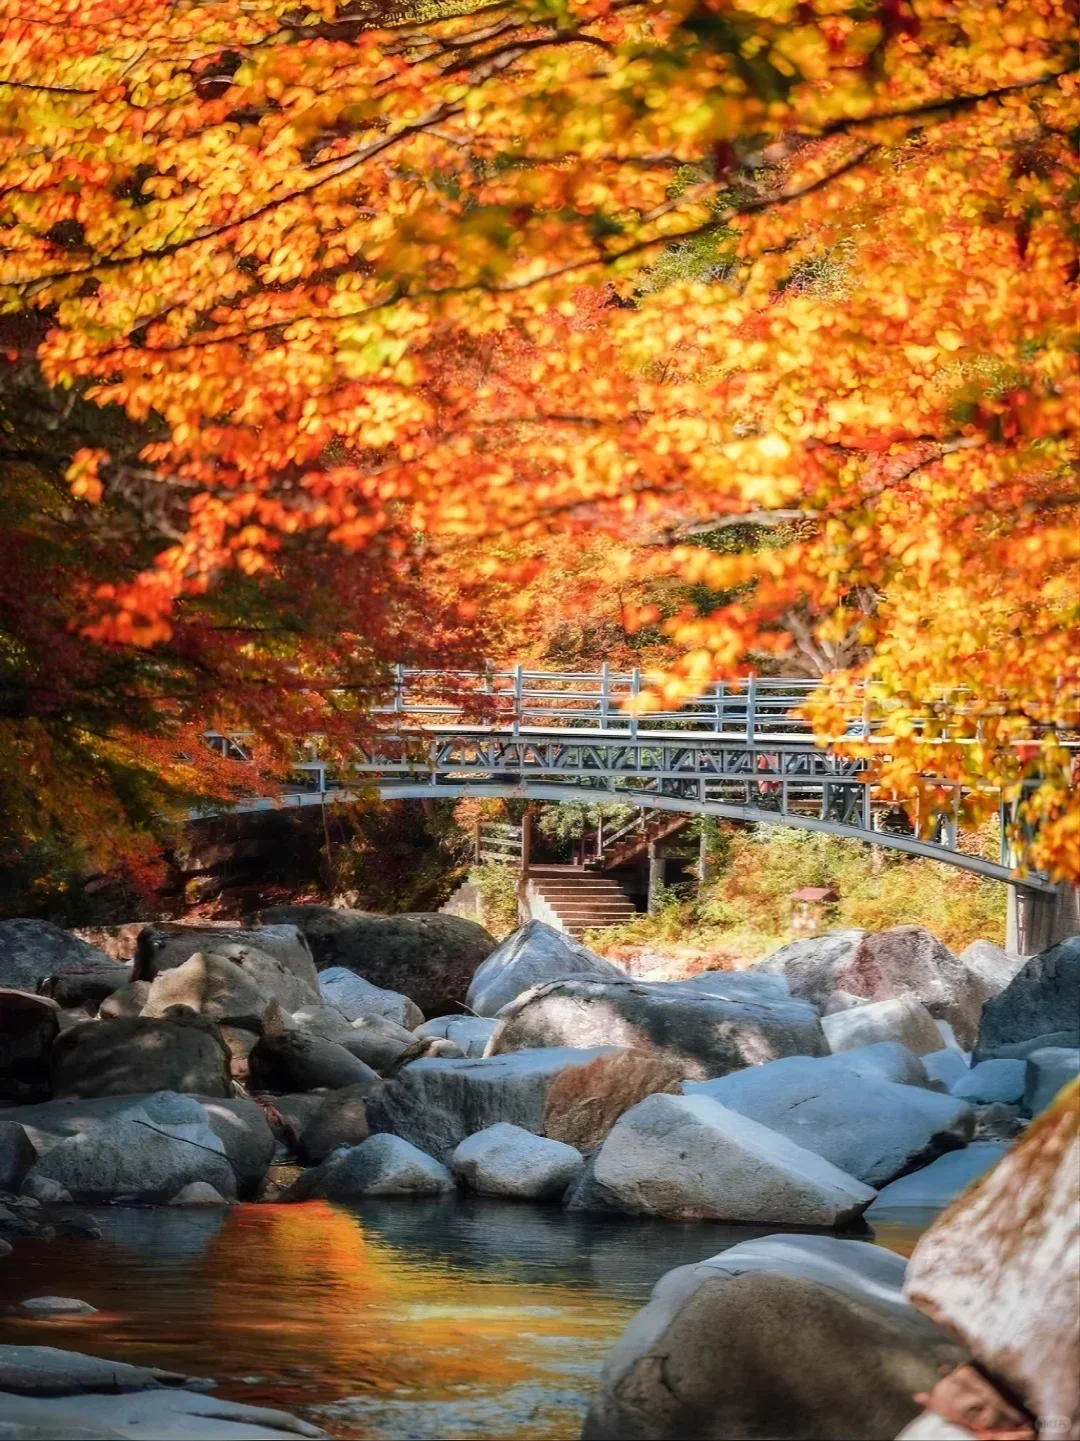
pixel 356 998
pixel 887 1061
pixel 181 1052
pixel 1039 1007
pixel 429 957
pixel 687 1158
pixel 47 1371
pixel 709 1033
pixel 905 961
pixel 143 1155
pixel 296 1061
pixel 31 950
pixel 947 1066
pixel 990 1081
pixel 381 1043
pixel 436 1103
pixel 905 1020
pixel 470 1034
pixel 380 1166
pixel 152 1415
pixel 87 987
pixel 790 1336
pixel 936 1186
pixel 238 1123
pixel 162 946
pixel 1045 1072
pixel 29 1026
pixel 506 1160
pixel 871 1128
pixel 532 955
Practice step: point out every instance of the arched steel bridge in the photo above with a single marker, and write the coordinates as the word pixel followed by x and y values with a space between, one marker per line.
pixel 737 752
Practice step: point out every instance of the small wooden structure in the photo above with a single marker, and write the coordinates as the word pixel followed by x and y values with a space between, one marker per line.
pixel 809 908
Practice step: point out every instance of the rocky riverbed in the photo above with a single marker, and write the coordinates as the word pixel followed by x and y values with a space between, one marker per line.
pixel 265 1094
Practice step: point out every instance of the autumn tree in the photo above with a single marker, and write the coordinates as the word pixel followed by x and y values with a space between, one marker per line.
pixel 394 281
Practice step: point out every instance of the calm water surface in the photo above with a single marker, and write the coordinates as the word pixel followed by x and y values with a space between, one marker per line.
pixel 399 1319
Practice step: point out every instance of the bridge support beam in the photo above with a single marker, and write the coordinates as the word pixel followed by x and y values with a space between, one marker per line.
pixel 1038 919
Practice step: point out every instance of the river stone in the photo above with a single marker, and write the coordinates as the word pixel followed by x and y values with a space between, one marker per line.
pixel 947 1066
pixel 993 965
pixel 125 1001
pixel 382 1044
pixel 532 955
pixel 47 1371
pixel 1045 1072
pixel 886 1061
pixel 759 1342
pixel 150 1415
pixel 505 1160
pixel 906 1021
pixel 341 1120
pixel 435 1103
pixel 999 1269
pixel 43 1307
pixel 295 1061
pixel 198 1193
pixel 707 1033
pixel 904 962
pixel 380 1166
pixel 1041 1001
pixel 46 1192
pixel 584 1102
pixel 430 957
pixel 212 986
pixel 991 1081
pixel 237 1122
pixel 355 998
pixel 751 985
pixel 687 1158
pixel 135 1054
pixel 144 1155
pixel 470 1034
pixel 936 1186
pixel 163 946
pixel 17 1154
pixel 31 950
pixel 871 1128
pixel 29 1026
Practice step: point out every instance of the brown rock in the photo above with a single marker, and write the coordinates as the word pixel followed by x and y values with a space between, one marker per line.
pixel 583 1104
pixel 999 1269
pixel 213 986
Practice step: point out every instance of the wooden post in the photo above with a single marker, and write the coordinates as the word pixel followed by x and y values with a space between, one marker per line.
pixel 1036 920
pixel 526 842
pixel 600 837
pixel 476 840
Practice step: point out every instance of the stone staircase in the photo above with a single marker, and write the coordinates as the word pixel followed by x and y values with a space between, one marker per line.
pixel 574 899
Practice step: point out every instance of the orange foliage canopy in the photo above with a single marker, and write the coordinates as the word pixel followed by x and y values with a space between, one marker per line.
pixel 454 271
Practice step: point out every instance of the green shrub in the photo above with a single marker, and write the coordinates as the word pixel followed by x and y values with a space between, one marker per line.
pixel 497 885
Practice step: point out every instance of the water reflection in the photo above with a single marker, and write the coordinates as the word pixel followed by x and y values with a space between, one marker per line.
pixel 453 1317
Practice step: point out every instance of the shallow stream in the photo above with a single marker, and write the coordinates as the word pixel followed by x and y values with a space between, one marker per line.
pixel 453 1318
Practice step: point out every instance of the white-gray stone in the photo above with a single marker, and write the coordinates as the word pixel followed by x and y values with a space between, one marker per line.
pixel 1046 1071
pixel 506 1160
pixel 470 1033
pixel 43 1307
pixel 990 1081
pixel 786 1336
pixel 749 985
pixel 49 1371
pixel 936 1186
pixel 886 1061
pixel 355 998
pixel 45 1190
pixel 994 966
pixel 30 950
pixel 436 1103
pixel 380 1166
pixel 155 1415
pixel 947 1066
pixel 948 1035
pixel 905 1020
pixel 198 1193
pixel 690 1158
pixel 381 1043
pixel 532 955
pixel 869 1127
pixel 143 1155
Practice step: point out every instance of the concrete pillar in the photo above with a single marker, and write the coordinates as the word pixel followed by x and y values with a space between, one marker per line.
pixel 705 868
pixel 526 842
pixel 656 874
pixel 1038 919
